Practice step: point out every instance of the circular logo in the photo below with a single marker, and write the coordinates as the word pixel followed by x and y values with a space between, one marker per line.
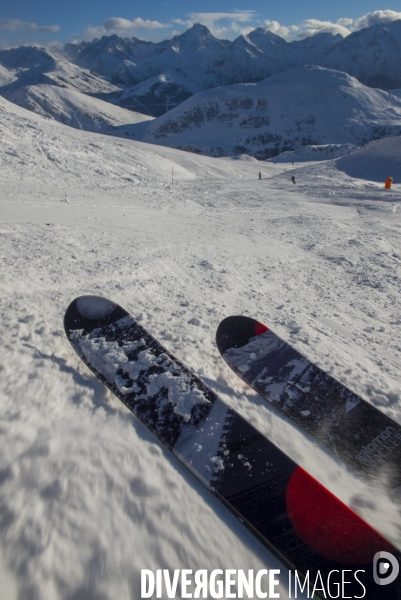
pixel 385 568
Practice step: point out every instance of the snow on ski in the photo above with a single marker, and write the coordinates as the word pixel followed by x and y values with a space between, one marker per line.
pixel 351 428
pixel 299 520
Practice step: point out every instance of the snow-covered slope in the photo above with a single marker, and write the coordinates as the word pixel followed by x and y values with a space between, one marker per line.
pixel 311 50
pixel 88 497
pixel 375 161
pixel 315 152
pixel 14 109
pixel 309 105
pixel 76 109
pixel 146 162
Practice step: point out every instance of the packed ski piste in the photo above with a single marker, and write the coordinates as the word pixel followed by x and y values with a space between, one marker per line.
pixel 138 462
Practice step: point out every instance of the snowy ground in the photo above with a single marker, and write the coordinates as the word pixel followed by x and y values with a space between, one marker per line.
pixel 87 495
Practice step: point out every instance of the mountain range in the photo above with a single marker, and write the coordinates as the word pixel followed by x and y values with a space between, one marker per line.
pixel 258 94
pixel 196 60
pixel 152 78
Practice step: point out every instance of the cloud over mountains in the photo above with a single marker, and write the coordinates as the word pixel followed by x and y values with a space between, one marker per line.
pixel 17 25
pixel 346 26
pixel 228 25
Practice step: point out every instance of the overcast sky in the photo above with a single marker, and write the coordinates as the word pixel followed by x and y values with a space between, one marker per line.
pixel 47 21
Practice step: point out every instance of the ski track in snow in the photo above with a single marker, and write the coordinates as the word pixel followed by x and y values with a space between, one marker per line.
pixel 87 495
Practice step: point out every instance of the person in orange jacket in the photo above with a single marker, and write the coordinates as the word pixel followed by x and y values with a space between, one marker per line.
pixel 388 183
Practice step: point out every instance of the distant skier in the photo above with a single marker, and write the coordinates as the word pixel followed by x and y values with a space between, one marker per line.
pixel 293 179
pixel 260 175
pixel 388 183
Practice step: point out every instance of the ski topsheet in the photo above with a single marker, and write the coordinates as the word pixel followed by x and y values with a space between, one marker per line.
pixel 298 519
pixel 351 428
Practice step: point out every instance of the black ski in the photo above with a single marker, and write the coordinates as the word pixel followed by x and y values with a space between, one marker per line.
pixel 298 519
pixel 351 428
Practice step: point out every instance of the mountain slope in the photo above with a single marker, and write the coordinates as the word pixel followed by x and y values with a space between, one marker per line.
pixel 13 109
pixel 157 95
pixel 311 50
pixel 309 105
pixel 76 109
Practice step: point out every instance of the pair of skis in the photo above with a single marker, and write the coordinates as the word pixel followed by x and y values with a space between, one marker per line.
pixel 299 520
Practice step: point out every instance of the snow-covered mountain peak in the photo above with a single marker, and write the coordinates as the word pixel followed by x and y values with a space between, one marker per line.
pixel 264 39
pixel 112 45
pixel 373 55
pixel 27 57
pixel 197 32
pixel 32 65
pixel 381 31
pixel 197 43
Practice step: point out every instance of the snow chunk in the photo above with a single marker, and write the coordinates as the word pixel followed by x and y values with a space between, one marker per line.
pixel 195 321
pixel 109 359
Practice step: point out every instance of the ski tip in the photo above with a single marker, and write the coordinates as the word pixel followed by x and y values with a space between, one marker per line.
pixel 236 331
pixel 260 328
pixel 88 312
